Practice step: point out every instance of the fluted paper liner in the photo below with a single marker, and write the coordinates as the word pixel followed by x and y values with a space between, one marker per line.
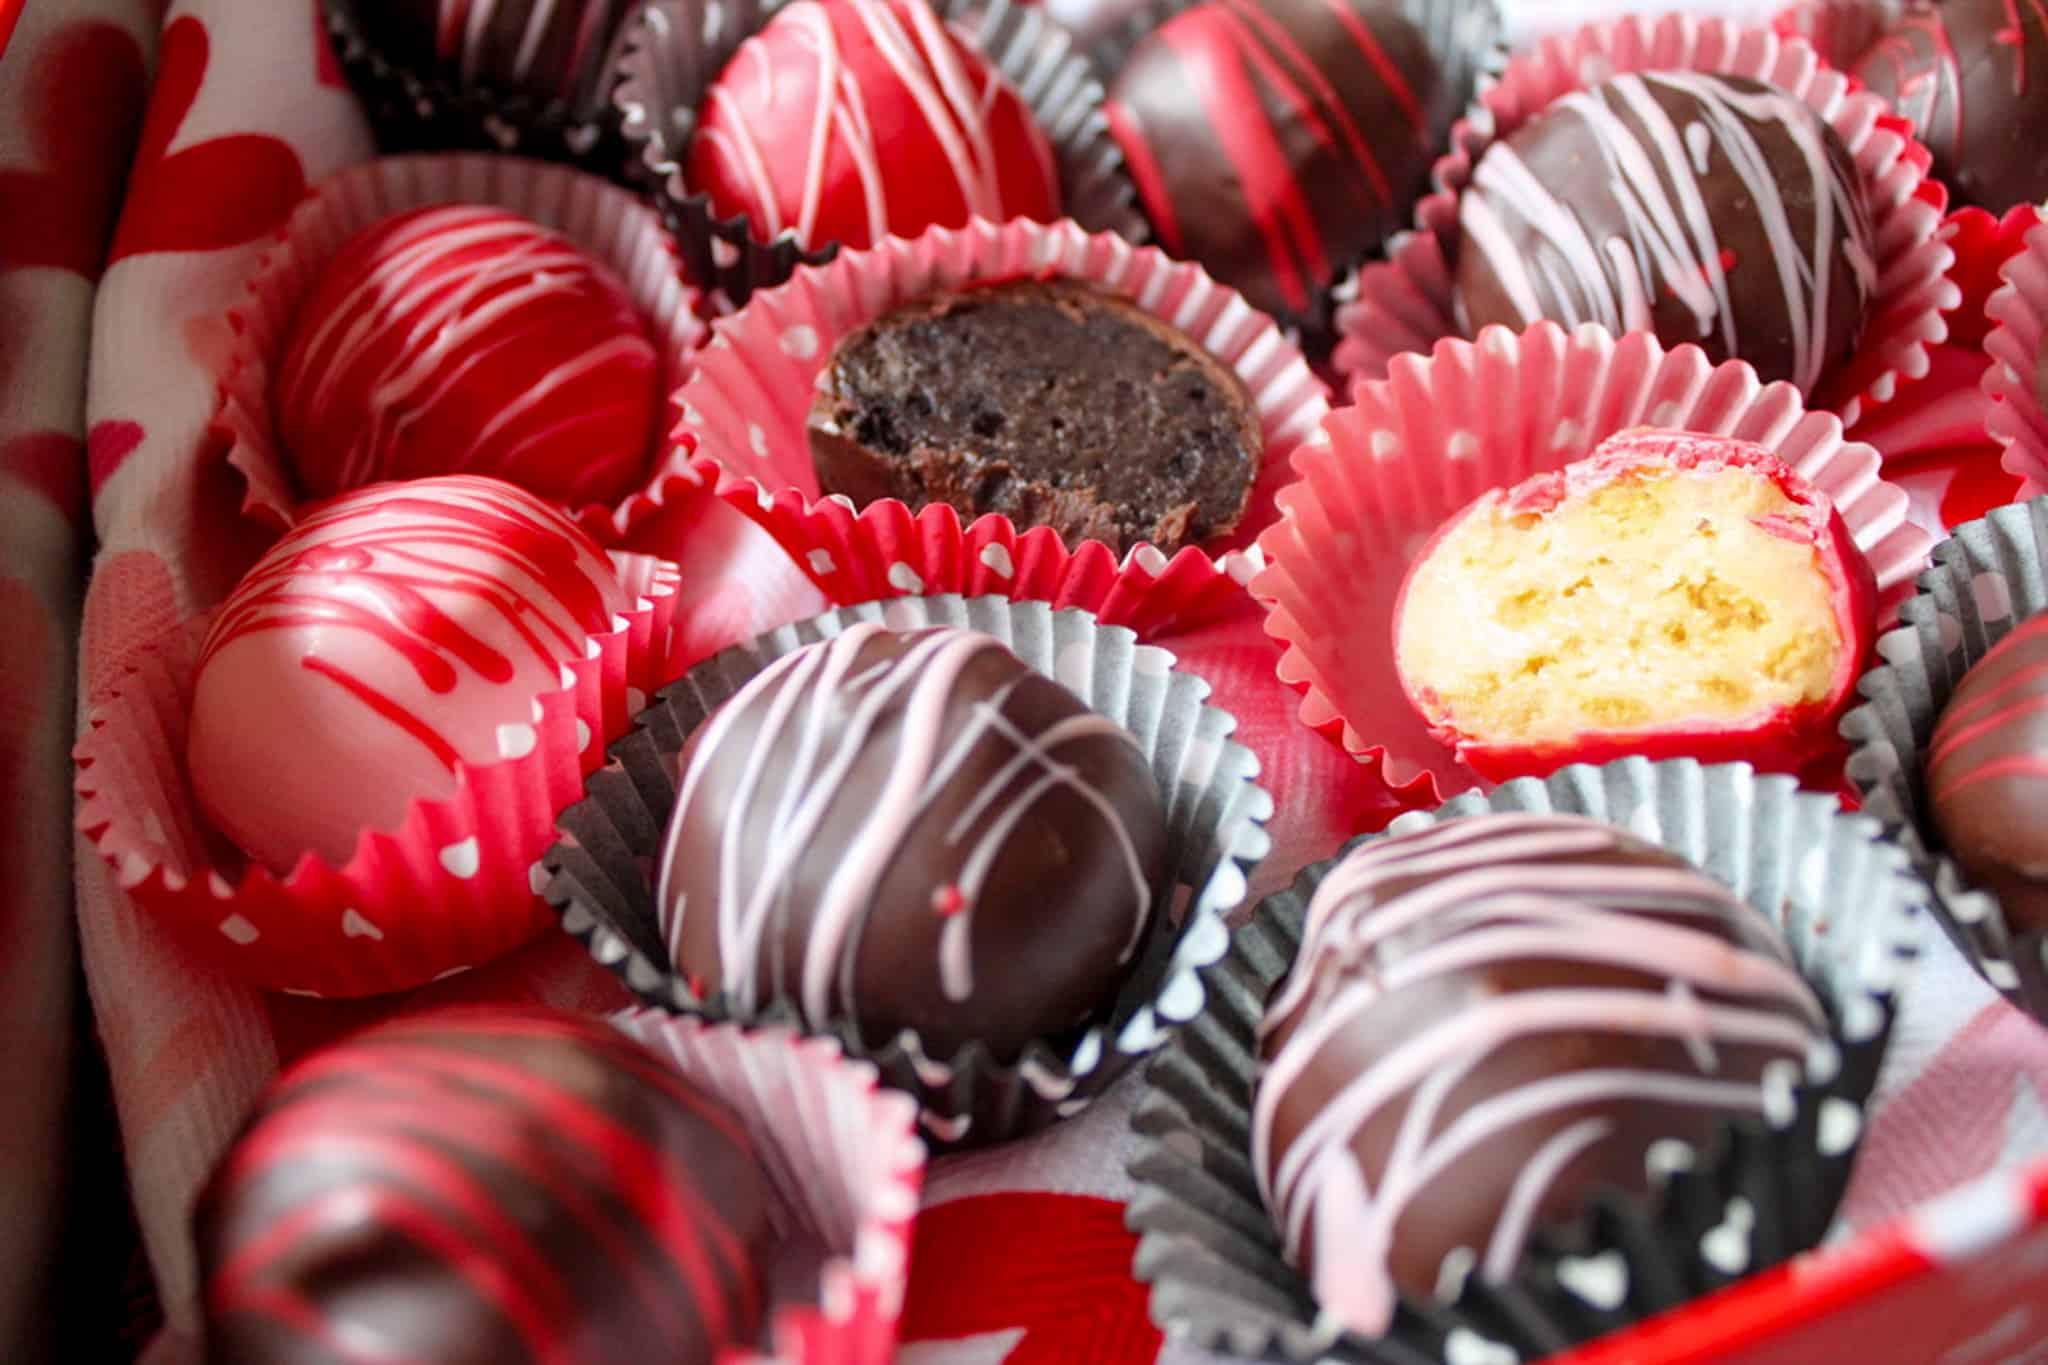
pixel 600 872
pixel 1841 31
pixel 743 415
pixel 676 49
pixel 606 221
pixel 456 884
pixel 1987 578
pixel 1414 449
pixel 840 1152
pixel 2012 379
pixel 1404 304
pixel 1850 909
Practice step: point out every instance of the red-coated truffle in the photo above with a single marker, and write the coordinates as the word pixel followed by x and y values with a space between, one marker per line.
pixel 465 339
pixel 1674 594
pixel 396 632
pixel 862 119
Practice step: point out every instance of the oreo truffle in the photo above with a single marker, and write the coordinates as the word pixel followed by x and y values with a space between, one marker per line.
pixel 1972 76
pixel 1050 402
pixel 1706 209
pixel 1987 773
pixel 912 831
pixel 1279 143
pixel 487 1186
pixel 1490 1019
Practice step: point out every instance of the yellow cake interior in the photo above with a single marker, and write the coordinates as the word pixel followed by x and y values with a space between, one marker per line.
pixel 1654 598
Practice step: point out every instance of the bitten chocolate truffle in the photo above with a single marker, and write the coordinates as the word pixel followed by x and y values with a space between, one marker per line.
pixel 1972 75
pixel 1987 773
pixel 1707 209
pixel 1489 1020
pixel 1049 402
pixel 1278 143
pixel 489 1187
pixel 914 831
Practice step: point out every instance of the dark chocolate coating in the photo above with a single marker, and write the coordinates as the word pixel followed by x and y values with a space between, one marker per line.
pixel 916 832
pixel 1278 142
pixel 1972 75
pixel 1987 773
pixel 549 49
pixel 486 1186
pixel 1709 209
pixel 1559 993
pixel 1049 402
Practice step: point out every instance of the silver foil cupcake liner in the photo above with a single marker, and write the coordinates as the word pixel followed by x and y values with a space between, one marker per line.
pixel 599 876
pixel 422 111
pixel 1846 901
pixel 1987 577
pixel 675 49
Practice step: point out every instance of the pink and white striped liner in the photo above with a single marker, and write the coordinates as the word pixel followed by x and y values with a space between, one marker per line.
pixel 1439 431
pixel 1403 305
pixel 742 415
pixel 2012 381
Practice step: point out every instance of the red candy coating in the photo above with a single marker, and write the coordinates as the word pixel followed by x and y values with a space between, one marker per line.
pixel 862 119
pixel 396 632
pixel 465 339
pixel 1695 601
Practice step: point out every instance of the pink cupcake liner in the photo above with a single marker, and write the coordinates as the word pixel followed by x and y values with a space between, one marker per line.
pixel 616 228
pixel 456 884
pixel 742 415
pixel 1403 305
pixel 1440 430
pixel 2012 378
pixel 842 1155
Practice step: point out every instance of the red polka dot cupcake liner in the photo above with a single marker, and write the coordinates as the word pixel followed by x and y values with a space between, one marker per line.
pixel 743 414
pixel 1986 579
pixel 843 1159
pixel 1438 431
pixel 677 49
pixel 2018 341
pixel 1405 304
pixel 456 884
pixel 608 222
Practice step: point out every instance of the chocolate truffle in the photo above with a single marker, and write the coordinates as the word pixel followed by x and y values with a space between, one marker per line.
pixel 1049 402
pixel 1707 209
pixel 1279 143
pixel 857 120
pixel 1972 75
pixel 1674 594
pixel 914 831
pixel 1489 1020
pixel 465 339
pixel 546 49
pixel 395 633
pixel 1987 773
pixel 487 1186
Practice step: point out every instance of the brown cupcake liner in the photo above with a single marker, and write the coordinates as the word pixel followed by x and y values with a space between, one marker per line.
pixel 422 111
pixel 1765 1190
pixel 675 50
pixel 599 874
pixel 1989 576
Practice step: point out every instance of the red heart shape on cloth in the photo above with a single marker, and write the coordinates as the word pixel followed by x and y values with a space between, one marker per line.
pixel 84 102
pixel 1056 1265
pixel 216 194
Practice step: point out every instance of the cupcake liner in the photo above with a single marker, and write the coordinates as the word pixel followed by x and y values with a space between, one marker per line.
pixel 677 48
pixel 602 219
pixel 2012 378
pixel 424 111
pixel 1404 305
pixel 1988 577
pixel 1763 1191
pixel 843 1157
pixel 1439 431
pixel 743 417
pixel 1841 31
pixel 601 869
pixel 457 883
